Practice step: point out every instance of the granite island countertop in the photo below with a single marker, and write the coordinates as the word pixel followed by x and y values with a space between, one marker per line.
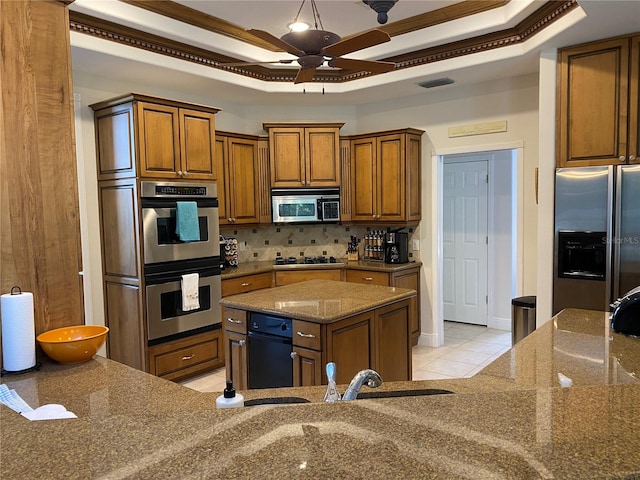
pixel 510 421
pixel 320 301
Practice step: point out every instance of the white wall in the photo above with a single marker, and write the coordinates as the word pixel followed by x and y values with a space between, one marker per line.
pixel 514 100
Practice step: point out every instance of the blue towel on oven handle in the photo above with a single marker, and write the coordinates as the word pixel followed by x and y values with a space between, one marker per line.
pixel 187 225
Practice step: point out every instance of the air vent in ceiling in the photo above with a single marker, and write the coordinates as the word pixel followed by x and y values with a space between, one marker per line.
pixel 436 83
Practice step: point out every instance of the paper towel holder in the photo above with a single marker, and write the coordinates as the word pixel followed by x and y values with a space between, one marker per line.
pixel 37 366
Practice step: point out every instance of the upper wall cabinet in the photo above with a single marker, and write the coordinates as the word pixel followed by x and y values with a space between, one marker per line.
pixel 304 155
pixel 385 177
pixel 138 135
pixel 241 170
pixel 597 110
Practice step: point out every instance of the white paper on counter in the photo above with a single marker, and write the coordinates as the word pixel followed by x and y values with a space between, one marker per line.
pixel 51 411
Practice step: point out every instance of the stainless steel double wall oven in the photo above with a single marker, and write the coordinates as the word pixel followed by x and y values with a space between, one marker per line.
pixel 167 259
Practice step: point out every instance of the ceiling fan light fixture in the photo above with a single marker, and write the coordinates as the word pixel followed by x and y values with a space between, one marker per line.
pixel 298 26
pixel 381 7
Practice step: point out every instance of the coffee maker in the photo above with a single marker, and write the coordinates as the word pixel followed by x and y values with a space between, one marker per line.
pixel 396 249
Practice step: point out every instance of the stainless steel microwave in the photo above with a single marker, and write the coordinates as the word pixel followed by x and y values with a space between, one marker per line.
pixel 305 205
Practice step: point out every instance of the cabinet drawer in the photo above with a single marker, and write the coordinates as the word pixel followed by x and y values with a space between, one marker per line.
pixel 234 320
pixel 173 357
pixel 368 276
pixel 295 276
pixel 306 334
pixel 249 283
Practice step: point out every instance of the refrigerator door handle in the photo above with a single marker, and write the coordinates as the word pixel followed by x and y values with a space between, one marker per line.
pixel 615 238
pixel 612 201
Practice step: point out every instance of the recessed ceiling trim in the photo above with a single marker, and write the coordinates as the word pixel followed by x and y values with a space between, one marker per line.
pixel 541 18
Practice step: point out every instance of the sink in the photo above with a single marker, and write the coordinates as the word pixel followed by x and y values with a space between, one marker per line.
pixel 402 393
pixel 274 401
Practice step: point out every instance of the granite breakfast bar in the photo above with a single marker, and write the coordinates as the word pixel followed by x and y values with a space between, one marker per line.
pixel 513 420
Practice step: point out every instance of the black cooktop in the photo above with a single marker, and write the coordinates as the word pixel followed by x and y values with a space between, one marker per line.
pixel 303 260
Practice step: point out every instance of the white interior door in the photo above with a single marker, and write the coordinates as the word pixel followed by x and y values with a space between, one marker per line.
pixel 465 239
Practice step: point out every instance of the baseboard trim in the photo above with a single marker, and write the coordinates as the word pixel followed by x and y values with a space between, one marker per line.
pixel 429 340
pixel 499 323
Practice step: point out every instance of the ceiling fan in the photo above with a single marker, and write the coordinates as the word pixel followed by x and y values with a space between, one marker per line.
pixel 314 47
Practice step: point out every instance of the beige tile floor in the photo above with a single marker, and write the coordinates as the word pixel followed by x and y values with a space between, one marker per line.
pixel 467 349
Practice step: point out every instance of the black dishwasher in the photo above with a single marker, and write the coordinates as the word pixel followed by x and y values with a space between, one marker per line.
pixel 270 348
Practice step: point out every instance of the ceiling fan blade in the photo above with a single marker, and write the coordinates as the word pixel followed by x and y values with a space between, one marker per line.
pixel 364 40
pixel 305 75
pixel 276 42
pixel 243 64
pixel 362 65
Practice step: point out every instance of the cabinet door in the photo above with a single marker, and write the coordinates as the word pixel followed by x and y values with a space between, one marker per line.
pixel 197 144
pixel 236 359
pixel 413 162
pixel 393 355
pixel 159 140
pixel 351 345
pixel 242 181
pixel 286 147
pixel 410 279
pixel 592 104
pixel 307 367
pixel 634 102
pixel 363 179
pixel 391 175
pixel 220 166
pixel 322 149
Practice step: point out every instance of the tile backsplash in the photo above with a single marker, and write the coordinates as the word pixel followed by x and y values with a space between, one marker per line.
pixel 265 243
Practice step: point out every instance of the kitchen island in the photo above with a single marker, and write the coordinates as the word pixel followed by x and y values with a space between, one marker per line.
pixel 513 420
pixel 354 325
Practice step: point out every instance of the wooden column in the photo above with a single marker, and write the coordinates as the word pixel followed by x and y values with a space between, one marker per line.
pixel 39 219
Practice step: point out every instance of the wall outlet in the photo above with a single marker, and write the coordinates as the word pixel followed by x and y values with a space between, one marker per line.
pixel 416 244
pixel 242 246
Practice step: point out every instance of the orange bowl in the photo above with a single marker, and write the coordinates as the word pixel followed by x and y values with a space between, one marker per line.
pixel 75 344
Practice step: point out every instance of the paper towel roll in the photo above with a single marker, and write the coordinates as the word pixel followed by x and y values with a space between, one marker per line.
pixel 18 331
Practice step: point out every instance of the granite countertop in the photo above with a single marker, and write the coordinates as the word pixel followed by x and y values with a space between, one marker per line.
pixel 510 421
pixel 251 268
pixel 320 301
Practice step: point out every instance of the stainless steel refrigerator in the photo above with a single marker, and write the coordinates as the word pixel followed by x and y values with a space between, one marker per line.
pixel 597 236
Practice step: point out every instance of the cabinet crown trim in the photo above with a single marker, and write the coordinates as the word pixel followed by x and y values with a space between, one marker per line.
pixel 131 97
pixel 268 125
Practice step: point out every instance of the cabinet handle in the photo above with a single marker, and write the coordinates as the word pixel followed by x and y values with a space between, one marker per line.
pixel 305 335
pixel 632 158
pixel 622 158
pixel 180 172
pixel 229 319
pixel 242 343
pixel 245 284
pixel 368 279
pixel 293 355
pixel 189 357
pixel 184 174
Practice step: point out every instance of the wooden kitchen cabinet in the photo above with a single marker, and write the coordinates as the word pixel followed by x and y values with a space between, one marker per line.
pixel 183 358
pixel 385 177
pixel 597 103
pixel 307 354
pixel 304 155
pixel 144 136
pixel 406 278
pixel 238 168
pixel 234 326
pixel 234 323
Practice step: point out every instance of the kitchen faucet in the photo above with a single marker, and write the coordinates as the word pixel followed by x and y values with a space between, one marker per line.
pixel 367 377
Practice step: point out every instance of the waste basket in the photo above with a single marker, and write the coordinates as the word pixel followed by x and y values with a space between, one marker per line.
pixel 523 317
